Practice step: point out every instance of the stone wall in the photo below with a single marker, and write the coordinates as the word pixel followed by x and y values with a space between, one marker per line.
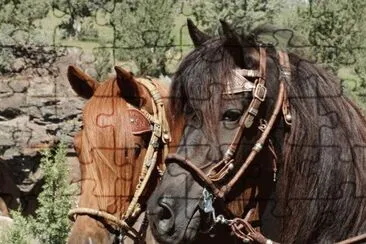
pixel 37 108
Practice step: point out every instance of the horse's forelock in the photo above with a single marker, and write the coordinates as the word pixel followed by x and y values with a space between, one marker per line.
pixel 99 148
pixel 200 81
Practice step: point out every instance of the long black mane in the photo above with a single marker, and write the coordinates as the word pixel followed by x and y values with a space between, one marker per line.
pixel 321 191
pixel 324 174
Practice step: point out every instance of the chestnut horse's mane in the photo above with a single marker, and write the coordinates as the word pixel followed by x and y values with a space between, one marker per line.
pixel 322 183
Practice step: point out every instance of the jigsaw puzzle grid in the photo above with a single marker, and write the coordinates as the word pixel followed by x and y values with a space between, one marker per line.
pixel 330 118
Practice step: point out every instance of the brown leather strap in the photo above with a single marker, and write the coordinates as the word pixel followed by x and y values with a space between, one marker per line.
pixel 194 170
pixel 259 95
pixel 258 146
pixel 260 91
pixel 221 169
pixel 286 75
pixel 355 239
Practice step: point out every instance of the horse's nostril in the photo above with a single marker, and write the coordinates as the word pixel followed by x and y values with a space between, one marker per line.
pixel 166 218
pixel 165 212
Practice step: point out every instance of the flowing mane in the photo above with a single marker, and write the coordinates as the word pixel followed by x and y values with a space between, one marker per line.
pixel 324 158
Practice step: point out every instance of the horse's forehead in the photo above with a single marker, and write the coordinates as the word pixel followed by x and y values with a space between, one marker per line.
pixel 108 88
pixel 106 121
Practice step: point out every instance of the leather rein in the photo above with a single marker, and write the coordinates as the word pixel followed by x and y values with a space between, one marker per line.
pixel 141 121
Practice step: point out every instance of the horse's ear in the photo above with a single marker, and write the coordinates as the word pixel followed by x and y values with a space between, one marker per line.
pixel 246 58
pixel 226 28
pixel 197 36
pixel 81 83
pixel 128 86
pixel 229 32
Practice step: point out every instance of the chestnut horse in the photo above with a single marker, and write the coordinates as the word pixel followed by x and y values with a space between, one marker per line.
pixel 268 124
pixel 121 147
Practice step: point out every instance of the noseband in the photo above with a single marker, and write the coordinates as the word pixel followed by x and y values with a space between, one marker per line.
pixel 140 121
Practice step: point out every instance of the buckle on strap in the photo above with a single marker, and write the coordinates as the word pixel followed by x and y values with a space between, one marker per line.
pixel 260 92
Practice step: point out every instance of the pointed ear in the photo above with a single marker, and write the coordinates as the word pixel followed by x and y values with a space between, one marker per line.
pixel 128 86
pixel 197 36
pixel 242 52
pixel 229 32
pixel 81 83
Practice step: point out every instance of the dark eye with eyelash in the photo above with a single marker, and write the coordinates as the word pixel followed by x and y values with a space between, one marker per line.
pixel 231 115
pixel 188 110
pixel 137 150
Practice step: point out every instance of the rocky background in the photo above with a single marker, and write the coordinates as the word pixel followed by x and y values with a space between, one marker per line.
pixel 37 109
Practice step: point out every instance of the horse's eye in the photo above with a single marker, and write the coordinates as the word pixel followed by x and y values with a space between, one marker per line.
pixel 188 110
pixel 231 115
pixel 137 150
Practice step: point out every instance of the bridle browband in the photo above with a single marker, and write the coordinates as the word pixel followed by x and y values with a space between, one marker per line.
pixel 160 137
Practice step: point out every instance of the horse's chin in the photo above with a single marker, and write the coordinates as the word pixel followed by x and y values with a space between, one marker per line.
pixel 190 233
pixel 182 234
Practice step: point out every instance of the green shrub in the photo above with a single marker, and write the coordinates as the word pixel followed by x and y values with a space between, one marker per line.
pixel 143 34
pixel 88 30
pixel 50 224
pixel 103 62
pixel 21 36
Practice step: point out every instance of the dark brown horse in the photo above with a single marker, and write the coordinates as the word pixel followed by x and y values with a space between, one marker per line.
pixel 306 179
pixel 124 132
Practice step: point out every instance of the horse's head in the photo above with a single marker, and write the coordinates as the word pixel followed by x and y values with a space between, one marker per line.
pixel 214 87
pixel 111 148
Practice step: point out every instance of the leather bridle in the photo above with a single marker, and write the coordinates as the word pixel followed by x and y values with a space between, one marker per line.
pixel 241 227
pixel 221 170
pixel 141 121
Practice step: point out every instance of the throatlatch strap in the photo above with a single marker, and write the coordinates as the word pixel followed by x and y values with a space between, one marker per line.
pixel 286 75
